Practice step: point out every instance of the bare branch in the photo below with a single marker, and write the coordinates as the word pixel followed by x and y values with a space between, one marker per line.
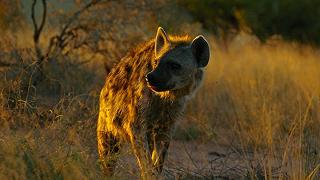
pixel 37 29
pixel 44 16
pixel 77 14
pixel 61 39
pixel 34 21
pixel 5 64
pixel 38 75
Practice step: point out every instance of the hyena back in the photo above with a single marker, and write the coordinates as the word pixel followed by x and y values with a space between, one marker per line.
pixel 145 94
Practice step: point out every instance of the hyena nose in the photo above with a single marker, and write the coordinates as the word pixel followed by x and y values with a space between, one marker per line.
pixel 150 78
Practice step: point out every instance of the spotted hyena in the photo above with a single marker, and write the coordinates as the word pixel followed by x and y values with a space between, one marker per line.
pixel 145 94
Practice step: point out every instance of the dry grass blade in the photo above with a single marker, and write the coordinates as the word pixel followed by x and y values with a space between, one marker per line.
pixel 313 173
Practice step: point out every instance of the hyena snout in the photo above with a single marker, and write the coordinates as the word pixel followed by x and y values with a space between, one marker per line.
pixel 158 82
pixel 150 78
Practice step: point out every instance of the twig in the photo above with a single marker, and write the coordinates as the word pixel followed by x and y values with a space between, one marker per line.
pixel 38 75
pixel 77 14
pixel 4 64
pixel 38 29
pixel 189 155
pixel 62 39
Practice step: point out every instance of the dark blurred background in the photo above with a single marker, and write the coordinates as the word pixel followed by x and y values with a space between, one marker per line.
pixel 296 20
pixel 292 19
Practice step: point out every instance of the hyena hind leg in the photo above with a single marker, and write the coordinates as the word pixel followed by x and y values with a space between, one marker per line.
pixel 108 148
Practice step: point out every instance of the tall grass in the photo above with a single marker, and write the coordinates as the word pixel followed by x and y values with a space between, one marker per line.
pixel 48 131
pixel 260 100
pixel 263 100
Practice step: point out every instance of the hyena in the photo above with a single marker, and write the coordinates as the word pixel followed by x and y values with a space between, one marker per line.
pixel 145 94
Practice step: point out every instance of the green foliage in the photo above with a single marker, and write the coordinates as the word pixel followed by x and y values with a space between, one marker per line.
pixel 292 19
pixel 214 14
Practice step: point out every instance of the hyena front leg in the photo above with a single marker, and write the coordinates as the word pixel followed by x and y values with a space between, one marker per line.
pixel 140 149
pixel 161 142
pixel 108 147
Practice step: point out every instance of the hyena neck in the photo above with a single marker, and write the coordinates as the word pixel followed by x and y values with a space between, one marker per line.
pixel 196 84
pixel 185 93
pixel 166 109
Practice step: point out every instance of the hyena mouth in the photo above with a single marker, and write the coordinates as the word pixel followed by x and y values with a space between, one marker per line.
pixel 156 88
pixel 159 87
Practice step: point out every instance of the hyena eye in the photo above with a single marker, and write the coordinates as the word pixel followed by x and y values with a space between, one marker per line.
pixel 174 66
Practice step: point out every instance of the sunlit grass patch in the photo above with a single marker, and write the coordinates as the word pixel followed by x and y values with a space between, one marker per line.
pixel 266 98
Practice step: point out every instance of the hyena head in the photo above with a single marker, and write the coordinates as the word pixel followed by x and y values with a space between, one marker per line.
pixel 177 66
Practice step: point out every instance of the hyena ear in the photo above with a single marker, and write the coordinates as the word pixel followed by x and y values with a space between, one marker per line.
pixel 161 41
pixel 201 51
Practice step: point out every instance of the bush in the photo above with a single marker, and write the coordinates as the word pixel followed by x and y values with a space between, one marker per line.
pixel 292 19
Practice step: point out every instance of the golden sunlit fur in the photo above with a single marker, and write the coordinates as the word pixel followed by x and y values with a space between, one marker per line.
pixel 131 112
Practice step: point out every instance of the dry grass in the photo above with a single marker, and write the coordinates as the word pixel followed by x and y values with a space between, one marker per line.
pixel 262 100
pixel 259 101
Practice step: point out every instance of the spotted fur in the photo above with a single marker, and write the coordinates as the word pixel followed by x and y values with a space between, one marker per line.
pixel 130 111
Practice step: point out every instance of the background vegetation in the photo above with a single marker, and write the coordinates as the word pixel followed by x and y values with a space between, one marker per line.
pixel 257 115
pixel 292 19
